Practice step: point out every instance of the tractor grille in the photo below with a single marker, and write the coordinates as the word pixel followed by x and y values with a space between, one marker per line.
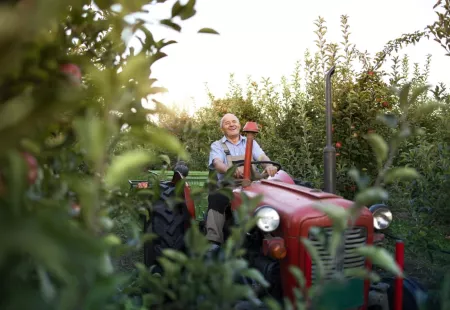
pixel 354 238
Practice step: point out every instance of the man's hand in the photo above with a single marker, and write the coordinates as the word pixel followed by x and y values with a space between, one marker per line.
pixel 271 170
pixel 239 172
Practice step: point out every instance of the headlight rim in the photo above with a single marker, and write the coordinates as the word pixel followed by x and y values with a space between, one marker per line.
pixel 271 208
pixel 379 208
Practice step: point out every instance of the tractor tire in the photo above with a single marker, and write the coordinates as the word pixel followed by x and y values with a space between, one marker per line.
pixel 169 227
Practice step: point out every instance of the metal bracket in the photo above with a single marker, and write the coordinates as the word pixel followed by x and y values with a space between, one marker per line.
pixel 378 296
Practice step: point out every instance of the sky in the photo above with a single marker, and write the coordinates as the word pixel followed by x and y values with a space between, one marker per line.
pixel 263 38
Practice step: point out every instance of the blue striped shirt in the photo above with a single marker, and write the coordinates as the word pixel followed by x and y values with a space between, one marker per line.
pixel 237 149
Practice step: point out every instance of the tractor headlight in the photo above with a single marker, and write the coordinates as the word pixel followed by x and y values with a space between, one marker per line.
pixel 268 219
pixel 382 216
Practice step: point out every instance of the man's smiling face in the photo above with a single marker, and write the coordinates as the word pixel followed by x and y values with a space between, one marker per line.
pixel 231 126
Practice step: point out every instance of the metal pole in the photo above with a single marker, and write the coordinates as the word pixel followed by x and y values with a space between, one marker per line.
pixel 329 152
pixel 398 289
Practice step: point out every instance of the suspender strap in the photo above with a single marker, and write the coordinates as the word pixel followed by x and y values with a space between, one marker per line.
pixel 225 149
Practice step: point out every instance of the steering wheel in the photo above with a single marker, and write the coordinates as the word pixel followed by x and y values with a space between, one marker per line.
pixel 263 175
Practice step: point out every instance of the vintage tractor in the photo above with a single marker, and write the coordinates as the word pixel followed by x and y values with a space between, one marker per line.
pixel 284 215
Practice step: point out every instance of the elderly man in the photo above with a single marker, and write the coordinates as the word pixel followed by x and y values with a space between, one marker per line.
pixel 223 152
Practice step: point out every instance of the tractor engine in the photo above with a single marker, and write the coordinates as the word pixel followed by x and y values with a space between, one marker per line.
pixel 286 215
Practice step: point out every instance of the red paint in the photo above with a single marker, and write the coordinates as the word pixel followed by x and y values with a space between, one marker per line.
pixel 308 270
pixel 297 216
pixel 400 259
pixel 248 156
pixel 189 202
pixel 282 176
pixel 251 127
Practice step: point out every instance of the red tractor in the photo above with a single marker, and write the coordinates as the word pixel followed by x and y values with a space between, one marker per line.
pixel 286 214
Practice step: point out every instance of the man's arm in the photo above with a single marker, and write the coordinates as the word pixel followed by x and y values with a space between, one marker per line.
pixel 258 154
pixel 217 158
pixel 220 166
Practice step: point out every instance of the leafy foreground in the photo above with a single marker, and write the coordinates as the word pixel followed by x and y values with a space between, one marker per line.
pixel 71 90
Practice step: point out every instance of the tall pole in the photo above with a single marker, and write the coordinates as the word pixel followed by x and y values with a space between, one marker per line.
pixel 329 152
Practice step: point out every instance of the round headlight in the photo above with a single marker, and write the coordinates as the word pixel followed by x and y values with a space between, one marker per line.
pixel 268 219
pixel 382 216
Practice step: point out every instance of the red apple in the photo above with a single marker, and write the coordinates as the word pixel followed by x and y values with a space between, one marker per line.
pixel 371 131
pixel 370 73
pixel 75 209
pixel 338 145
pixel 385 104
pixel 338 154
pixel 72 71
pixel 32 167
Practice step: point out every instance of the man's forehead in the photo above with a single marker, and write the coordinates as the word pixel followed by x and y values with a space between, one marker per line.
pixel 230 117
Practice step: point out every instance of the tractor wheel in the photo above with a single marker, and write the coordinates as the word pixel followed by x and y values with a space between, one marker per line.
pixel 169 227
pixel 414 294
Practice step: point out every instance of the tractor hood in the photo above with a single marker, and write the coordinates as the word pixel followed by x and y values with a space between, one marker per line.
pixel 295 203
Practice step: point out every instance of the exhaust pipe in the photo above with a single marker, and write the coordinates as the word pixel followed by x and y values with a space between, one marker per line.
pixel 329 152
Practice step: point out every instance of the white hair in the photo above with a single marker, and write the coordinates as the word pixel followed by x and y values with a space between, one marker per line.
pixel 221 120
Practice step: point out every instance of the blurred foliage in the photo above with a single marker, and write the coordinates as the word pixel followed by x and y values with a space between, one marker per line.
pixel 73 126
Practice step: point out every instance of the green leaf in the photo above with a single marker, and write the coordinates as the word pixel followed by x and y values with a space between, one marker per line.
pixel 403 96
pixel 14 111
pixel 255 275
pixel 112 240
pixel 336 213
pixel 124 165
pixel 417 92
pixel 389 120
pixel 105 266
pixel 424 109
pixel 162 139
pixel 188 10
pixel 336 238
pixel 103 4
pixel 47 288
pixel 91 134
pixel 208 30
pixel 362 273
pixel 176 9
pixel 370 196
pixel 380 257
pixel 401 174
pixel 298 275
pixel 379 146
pixel 171 24
pixel 177 256
pixel 136 68
pixel 315 257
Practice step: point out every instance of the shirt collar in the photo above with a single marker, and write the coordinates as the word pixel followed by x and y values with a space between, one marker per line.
pixel 242 138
